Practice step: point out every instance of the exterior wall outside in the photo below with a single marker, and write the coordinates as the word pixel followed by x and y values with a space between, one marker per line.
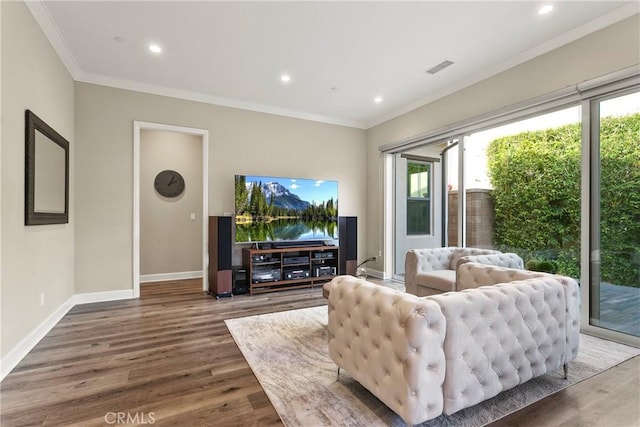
pixel 611 49
pixel 36 259
pixel 240 142
pixel 480 217
pixel 170 242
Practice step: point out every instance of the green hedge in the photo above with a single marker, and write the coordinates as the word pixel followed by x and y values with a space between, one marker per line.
pixel 536 181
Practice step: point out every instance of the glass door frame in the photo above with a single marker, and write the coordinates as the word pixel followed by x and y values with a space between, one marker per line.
pixel 590 223
pixel 392 199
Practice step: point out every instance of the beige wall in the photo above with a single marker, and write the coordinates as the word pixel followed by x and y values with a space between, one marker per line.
pixel 94 251
pixel 35 259
pixel 240 141
pixel 170 242
pixel 608 50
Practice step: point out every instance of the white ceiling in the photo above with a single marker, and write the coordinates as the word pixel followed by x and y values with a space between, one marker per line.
pixel 340 55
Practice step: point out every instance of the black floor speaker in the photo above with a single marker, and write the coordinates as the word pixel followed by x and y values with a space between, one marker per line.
pixel 348 237
pixel 220 254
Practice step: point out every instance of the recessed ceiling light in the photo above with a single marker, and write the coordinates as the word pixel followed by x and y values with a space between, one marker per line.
pixel 286 78
pixel 377 99
pixel 155 48
pixel 545 9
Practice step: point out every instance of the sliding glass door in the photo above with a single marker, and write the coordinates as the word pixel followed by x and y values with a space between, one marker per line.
pixel 558 184
pixel 615 214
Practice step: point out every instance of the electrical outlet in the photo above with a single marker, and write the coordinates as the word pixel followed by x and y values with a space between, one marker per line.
pixel 42 298
pixel 193 217
pixel 380 253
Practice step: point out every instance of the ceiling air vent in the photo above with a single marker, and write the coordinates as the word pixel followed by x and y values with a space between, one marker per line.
pixel 441 66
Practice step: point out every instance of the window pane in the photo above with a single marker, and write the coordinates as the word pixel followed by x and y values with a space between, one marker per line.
pixel 615 296
pixel 418 198
pixel 418 180
pixel 523 190
pixel 418 216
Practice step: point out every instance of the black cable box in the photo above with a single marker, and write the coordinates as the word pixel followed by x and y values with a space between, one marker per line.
pixel 293 273
pixel 295 260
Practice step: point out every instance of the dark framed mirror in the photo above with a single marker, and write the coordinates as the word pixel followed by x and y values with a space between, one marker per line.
pixel 46 173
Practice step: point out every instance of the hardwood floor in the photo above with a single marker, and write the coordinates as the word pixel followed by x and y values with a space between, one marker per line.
pixel 167 356
pixel 610 399
pixel 168 359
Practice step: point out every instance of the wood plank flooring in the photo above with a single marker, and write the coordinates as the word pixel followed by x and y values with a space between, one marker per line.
pixel 169 358
pixel 610 399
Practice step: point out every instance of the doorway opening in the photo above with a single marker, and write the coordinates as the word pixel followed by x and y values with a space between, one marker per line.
pixel 417 211
pixel 161 132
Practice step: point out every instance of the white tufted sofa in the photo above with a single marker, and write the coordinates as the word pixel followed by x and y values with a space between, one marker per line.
pixel 439 354
pixel 433 271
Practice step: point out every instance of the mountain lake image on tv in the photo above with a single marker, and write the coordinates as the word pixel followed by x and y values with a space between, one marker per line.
pixel 272 209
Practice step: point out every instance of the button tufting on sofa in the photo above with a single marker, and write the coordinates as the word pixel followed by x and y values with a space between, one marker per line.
pixel 534 329
pixel 431 271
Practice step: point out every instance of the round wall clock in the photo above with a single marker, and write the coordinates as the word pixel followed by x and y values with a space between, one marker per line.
pixel 169 183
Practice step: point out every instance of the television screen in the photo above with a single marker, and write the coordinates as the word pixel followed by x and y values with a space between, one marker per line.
pixel 272 209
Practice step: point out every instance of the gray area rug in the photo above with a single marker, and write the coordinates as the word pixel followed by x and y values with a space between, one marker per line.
pixel 288 353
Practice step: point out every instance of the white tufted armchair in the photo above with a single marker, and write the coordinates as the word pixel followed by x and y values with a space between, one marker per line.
pixel 439 354
pixel 433 271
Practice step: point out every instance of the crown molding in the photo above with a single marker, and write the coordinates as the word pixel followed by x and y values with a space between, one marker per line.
pixel 51 31
pixel 599 23
pixel 213 100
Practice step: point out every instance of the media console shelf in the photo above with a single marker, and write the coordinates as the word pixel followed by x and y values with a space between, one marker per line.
pixel 276 269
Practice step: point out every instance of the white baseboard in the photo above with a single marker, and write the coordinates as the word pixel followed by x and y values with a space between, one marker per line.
pixel 164 277
pixel 11 359
pixel 377 274
pixel 17 353
pixel 92 297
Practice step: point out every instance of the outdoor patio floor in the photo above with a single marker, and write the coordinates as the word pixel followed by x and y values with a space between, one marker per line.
pixel 620 308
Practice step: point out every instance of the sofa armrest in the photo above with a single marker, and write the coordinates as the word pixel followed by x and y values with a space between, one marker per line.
pixel 420 260
pixel 572 298
pixel 391 343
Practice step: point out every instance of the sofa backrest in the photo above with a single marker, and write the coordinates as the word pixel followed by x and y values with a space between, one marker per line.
pixel 474 275
pixel 500 336
pixel 507 259
pixel 465 252
pixel 471 274
pixel 391 343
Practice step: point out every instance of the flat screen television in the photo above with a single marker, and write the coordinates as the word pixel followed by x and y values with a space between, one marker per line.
pixel 280 209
